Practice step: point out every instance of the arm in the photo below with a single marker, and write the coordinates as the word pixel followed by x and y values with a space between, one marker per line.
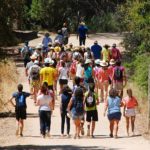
pixel 69 105
pixel 11 101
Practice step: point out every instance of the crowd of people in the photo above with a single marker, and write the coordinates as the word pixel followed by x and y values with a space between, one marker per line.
pixel 96 74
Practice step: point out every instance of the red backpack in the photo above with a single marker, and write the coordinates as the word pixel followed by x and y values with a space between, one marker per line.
pixel 73 67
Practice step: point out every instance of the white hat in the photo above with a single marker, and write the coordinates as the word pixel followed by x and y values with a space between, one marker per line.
pixel 112 62
pixel 97 61
pixel 36 62
pixel 87 61
pixel 36 54
pixel 51 62
pixel 52 47
pixel 103 63
pixel 46 61
pixel 33 57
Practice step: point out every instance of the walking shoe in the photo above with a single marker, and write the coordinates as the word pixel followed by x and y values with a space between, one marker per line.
pixel 111 135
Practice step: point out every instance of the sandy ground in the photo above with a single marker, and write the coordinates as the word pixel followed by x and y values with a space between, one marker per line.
pixel 33 140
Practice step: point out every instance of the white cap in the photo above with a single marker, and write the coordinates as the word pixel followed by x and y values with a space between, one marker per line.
pixel 36 62
pixel 46 61
pixel 97 61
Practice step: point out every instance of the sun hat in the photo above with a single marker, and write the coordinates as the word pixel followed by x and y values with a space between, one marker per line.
pixel 52 47
pixel 88 61
pixel 97 61
pixel 112 62
pixel 57 49
pixel 36 62
pixel 33 57
pixel 104 64
pixel 46 61
pixel 51 62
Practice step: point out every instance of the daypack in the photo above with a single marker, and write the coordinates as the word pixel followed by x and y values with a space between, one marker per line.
pixel 90 99
pixel 118 74
pixel 20 100
pixel 34 73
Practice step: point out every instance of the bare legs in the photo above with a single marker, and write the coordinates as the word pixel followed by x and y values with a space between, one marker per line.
pixel 20 126
pixel 114 128
pixel 77 123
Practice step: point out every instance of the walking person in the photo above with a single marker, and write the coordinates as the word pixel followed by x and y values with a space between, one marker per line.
pixel 130 102
pixel 65 98
pixel 76 103
pixel 44 101
pixel 106 53
pixel 90 101
pixel 65 34
pixel 115 53
pixel 113 105
pixel 20 108
pixel 82 33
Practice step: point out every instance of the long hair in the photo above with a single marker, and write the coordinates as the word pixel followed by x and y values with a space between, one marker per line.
pixel 79 94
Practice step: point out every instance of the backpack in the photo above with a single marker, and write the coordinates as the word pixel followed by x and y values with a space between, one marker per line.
pixel 118 74
pixel 21 100
pixel 26 53
pixel 34 74
pixel 90 99
pixel 73 68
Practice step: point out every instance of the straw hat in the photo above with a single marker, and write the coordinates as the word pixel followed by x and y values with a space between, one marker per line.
pixel 97 61
pixel 33 57
pixel 104 64
pixel 88 61
pixel 112 62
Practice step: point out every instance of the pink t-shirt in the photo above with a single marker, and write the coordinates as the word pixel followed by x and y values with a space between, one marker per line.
pixel 130 102
pixel 103 75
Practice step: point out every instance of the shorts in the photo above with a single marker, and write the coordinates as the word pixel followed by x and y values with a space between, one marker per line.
pixel 114 116
pixel 20 113
pixel 63 81
pixel 130 112
pixel 118 86
pixel 91 116
pixel 35 84
pixel 77 116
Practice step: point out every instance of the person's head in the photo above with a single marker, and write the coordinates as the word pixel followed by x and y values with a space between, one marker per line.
pixel 118 63
pixel 20 87
pixel 95 42
pixel 47 34
pixel 91 87
pixel 77 80
pixel 112 62
pixel 33 58
pixel 46 62
pixel 66 89
pixel 44 88
pixel 112 93
pixel 106 46
pixel 104 65
pixel 114 45
pixel 79 92
pixel 82 24
pixel 129 92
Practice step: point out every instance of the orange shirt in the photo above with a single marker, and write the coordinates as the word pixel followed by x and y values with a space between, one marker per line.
pixel 103 75
pixel 130 102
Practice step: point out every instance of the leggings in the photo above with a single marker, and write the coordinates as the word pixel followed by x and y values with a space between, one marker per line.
pixel 63 117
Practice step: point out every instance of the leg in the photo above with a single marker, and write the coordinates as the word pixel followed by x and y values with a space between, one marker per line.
pixel 116 122
pixel 68 123
pixel 106 90
pixel 48 121
pixel 132 124
pixel 127 125
pixel 42 123
pixel 62 123
pixel 80 41
pixel 111 126
pixel 93 128
pixel 102 91
pixel 78 127
pixel 88 128
pixel 21 125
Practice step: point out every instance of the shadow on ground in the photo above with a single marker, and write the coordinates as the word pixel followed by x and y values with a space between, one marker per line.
pixel 55 147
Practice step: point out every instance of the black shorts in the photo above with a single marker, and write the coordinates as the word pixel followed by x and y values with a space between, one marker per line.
pixel 63 81
pixel 20 113
pixel 116 116
pixel 91 116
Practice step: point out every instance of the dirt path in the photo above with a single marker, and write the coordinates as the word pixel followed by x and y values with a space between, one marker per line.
pixel 33 140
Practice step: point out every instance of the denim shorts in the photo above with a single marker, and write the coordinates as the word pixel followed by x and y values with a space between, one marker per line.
pixel 77 116
pixel 116 116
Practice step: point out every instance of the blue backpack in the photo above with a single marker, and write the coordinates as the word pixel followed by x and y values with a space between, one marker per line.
pixel 21 100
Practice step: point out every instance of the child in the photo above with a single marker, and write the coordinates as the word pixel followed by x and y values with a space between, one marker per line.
pixel 90 101
pixel 65 98
pixel 77 110
pixel 113 105
pixel 20 108
pixel 130 103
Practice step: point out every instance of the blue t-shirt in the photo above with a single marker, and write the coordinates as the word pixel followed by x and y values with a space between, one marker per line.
pixel 82 30
pixel 20 98
pixel 96 49
pixel 88 73
pixel 113 105
pixel 46 41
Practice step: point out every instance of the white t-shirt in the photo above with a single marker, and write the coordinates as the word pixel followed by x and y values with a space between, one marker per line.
pixel 80 70
pixel 63 73
pixel 44 101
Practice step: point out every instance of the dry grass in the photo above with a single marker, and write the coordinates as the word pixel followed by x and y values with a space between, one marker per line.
pixel 8 81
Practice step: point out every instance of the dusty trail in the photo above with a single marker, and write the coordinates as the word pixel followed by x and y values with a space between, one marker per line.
pixel 33 140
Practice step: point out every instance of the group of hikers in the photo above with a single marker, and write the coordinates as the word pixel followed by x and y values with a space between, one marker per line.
pixel 86 76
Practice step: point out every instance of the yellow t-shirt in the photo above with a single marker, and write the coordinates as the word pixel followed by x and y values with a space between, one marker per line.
pixel 48 75
pixel 106 54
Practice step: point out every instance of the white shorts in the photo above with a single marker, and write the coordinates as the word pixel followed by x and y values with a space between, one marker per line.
pixel 130 112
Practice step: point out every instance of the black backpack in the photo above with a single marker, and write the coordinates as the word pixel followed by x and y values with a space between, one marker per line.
pixel 90 99
pixel 118 74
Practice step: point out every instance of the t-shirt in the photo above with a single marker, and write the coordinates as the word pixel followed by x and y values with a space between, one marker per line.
pixel 48 75
pixel 44 101
pixel 103 75
pixel 96 49
pixel 46 41
pixel 115 54
pixel 88 72
pixel 20 98
pixel 63 73
pixel 110 70
pixel 113 104
pixel 79 71
pixel 59 38
pixel 29 64
pixel 94 107
pixel 82 30
pixel 106 54
pixel 130 102
pixel 35 66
